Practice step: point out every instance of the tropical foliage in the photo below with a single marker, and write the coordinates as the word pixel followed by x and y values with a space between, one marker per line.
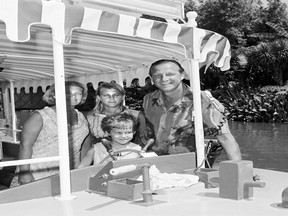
pixel 266 63
pixel 255 105
pixel 233 19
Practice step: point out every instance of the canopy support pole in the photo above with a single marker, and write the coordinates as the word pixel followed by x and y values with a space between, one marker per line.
pixel 120 81
pixel 14 119
pixel 60 94
pixel 120 78
pixel 197 114
pixel 196 89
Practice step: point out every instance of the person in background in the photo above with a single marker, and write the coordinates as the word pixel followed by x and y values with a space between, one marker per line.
pixel 90 100
pixel 135 83
pixel 168 112
pixel 120 128
pixel 149 86
pixel 99 84
pixel 124 83
pixel 110 100
pixel 39 137
pixel 135 91
pixel 148 82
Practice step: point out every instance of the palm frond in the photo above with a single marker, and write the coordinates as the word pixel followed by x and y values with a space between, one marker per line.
pixel 263 35
pixel 279 30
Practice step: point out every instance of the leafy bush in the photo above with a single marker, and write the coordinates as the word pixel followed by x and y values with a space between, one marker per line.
pixel 255 105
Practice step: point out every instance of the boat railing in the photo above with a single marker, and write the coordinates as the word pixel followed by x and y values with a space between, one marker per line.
pixel 29 161
pixel 4 137
pixel 16 130
pixel 20 162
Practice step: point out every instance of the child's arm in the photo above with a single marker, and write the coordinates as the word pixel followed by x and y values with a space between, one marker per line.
pixel 87 159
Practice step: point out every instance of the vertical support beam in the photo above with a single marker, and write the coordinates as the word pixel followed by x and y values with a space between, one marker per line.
pixel 120 77
pixel 195 88
pixel 198 120
pixel 120 81
pixel 59 78
pixel 13 112
pixel 7 107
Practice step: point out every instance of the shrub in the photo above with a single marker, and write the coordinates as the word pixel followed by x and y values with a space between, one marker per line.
pixel 256 105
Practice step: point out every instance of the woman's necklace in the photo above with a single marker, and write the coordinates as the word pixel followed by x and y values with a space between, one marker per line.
pixel 99 132
pixel 108 113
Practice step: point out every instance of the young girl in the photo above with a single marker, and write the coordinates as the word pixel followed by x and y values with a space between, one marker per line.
pixel 121 128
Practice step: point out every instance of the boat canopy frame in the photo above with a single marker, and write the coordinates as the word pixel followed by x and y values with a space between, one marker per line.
pixel 72 25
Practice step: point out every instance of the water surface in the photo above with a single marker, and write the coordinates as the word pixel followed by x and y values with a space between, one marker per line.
pixel 266 144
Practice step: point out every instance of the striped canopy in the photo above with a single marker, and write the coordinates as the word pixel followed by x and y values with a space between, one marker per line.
pixel 97 43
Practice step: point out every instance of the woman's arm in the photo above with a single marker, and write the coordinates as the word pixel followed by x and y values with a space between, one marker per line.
pixel 29 134
pixel 86 145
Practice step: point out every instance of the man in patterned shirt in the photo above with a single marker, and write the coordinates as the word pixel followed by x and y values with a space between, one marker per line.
pixel 168 114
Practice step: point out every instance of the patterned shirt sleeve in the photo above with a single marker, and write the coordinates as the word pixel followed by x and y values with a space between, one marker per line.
pixel 213 113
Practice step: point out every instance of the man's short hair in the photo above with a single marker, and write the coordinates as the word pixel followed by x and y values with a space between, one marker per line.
pixel 164 61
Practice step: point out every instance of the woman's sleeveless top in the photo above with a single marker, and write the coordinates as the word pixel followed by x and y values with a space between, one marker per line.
pixel 46 144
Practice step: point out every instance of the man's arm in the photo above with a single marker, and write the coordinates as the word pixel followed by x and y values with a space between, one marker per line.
pixel 230 145
pixel 214 117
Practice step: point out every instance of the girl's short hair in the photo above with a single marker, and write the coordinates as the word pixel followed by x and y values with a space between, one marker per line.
pixel 99 106
pixel 110 85
pixel 118 120
pixel 49 95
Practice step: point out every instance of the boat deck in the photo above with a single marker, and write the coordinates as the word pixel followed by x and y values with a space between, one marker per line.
pixel 195 200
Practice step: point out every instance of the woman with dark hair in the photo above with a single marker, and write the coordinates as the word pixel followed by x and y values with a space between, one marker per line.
pixel 39 137
pixel 110 100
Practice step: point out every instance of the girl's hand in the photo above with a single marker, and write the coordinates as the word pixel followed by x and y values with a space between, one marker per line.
pixel 177 149
pixel 25 178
